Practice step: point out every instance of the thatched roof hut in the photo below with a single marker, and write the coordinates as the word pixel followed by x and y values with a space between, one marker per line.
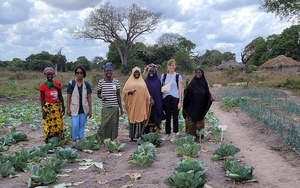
pixel 231 64
pixel 281 63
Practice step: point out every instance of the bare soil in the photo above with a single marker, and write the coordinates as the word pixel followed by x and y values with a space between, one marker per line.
pixel 275 164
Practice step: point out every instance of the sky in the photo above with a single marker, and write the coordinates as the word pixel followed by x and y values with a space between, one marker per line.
pixel 32 26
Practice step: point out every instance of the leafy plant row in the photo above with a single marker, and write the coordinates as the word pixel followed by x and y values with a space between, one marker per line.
pixel 272 108
pixel 234 171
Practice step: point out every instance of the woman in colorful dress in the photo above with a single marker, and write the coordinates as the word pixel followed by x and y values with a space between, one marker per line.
pixel 137 103
pixel 79 102
pixel 53 108
pixel 109 92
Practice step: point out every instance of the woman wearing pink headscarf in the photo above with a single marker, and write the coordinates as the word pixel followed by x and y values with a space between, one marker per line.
pixel 53 108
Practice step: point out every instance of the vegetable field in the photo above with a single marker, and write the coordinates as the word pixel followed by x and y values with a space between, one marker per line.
pixel 259 148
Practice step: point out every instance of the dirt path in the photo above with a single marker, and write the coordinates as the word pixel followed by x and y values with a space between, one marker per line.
pixel 273 168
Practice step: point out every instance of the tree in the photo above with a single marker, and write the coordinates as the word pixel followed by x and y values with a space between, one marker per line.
pixel 288 9
pixel 118 26
pixel 249 50
pixel 38 62
pixel 83 61
pixel 168 39
pixel 211 58
pixel 60 61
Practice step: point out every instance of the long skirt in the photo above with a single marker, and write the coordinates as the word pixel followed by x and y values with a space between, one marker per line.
pixel 109 124
pixel 136 130
pixel 53 123
pixel 192 126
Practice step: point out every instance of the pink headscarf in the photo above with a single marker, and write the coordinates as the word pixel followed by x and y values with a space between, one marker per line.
pixel 49 70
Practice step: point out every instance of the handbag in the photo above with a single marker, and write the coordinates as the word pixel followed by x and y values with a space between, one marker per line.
pixel 167 87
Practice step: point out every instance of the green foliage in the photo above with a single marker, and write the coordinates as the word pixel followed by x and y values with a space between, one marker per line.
pixel 191 150
pixel 55 142
pixel 273 109
pixel 283 9
pixel 188 173
pixel 240 173
pixel 66 153
pixel 18 162
pixel 56 164
pixel 290 83
pixel 229 102
pixel 114 145
pixel 7 169
pixel 126 69
pixel 25 155
pixel 216 132
pixel 183 62
pixel 86 144
pixel 229 163
pixel 83 61
pixel 187 164
pixel 40 151
pixel 225 151
pixel 153 138
pixel 188 179
pixel 183 139
pixel 41 176
pixel 144 155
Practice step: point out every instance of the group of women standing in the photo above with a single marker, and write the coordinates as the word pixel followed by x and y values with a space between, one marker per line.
pixel 145 102
pixel 79 104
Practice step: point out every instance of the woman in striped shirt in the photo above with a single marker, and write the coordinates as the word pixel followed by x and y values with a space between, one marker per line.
pixel 109 92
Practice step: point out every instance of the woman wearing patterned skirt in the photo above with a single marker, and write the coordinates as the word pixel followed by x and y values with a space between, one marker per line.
pixel 109 93
pixel 137 103
pixel 53 108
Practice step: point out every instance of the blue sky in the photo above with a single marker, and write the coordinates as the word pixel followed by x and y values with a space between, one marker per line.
pixel 31 26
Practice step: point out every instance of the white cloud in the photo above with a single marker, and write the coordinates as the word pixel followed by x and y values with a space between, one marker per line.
pixel 43 25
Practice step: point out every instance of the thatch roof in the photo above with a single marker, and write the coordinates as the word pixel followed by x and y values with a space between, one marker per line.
pixel 280 61
pixel 230 65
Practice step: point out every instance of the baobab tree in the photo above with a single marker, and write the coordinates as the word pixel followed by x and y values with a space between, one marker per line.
pixel 119 26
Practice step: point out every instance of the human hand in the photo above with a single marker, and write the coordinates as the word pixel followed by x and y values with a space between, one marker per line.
pixel 131 92
pixel 43 114
pixel 69 112
pixel 179 106
pixel 187 80
pixel 89 114
pixel 121 112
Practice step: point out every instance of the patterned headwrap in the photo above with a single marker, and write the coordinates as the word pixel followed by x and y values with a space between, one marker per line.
pixel 49 70
pixel 150 66
pixel 108 65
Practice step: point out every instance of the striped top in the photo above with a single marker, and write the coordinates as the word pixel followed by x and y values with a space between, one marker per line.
pixel 109 92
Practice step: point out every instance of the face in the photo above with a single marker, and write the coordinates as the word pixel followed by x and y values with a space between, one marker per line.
pixel 136 74
pixel 108 72
pixel 171 67
pixel 198 74
pixel 49 76
pixel 79 73
pixel 151 73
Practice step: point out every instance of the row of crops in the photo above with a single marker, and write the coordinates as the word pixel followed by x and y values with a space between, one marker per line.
pixel 270 106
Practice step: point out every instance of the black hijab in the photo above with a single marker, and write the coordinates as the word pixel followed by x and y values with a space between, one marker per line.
pixel 197 98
